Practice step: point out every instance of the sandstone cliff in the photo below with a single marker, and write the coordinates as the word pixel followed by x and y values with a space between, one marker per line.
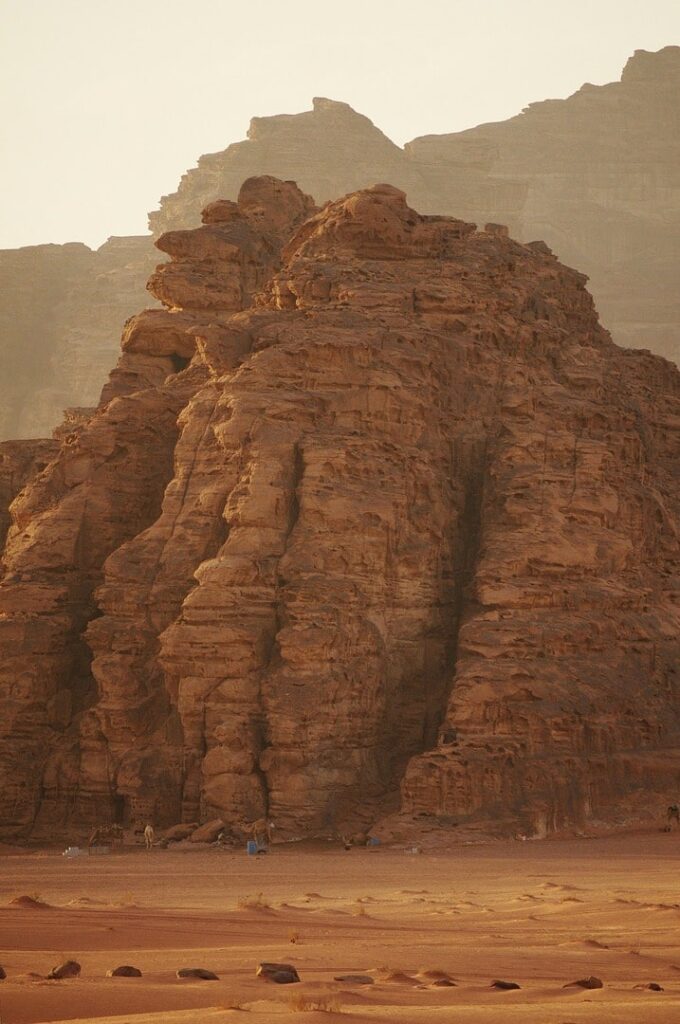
pixel 20 461
pixel 596 175
pixel 373 519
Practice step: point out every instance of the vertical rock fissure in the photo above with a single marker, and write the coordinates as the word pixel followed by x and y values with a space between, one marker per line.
pixel 274 654
pixel 466 545
pixel 466 554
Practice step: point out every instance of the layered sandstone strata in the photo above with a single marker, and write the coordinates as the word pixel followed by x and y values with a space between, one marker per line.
pixel 596 175
pixel 372 517
pixel 20 461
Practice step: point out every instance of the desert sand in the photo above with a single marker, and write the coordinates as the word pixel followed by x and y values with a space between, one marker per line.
pixel 541 914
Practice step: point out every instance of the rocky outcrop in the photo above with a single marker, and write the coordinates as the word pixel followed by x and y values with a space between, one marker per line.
pixel 329 151
pixel 595 175
pixel 20 461
pixel 373 518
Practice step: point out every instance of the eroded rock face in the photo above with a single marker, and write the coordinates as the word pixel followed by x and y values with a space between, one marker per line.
pixel 20 461
pixel 595 175
pixel 373 520
pixel 329 151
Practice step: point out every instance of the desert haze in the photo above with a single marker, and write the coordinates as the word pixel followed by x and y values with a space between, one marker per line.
pixel 340 597
pixel 594 175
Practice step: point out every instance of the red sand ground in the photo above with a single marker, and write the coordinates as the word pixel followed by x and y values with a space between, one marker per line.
pixel 541 914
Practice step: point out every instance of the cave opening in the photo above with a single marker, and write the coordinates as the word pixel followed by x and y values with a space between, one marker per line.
pixel 121 809
pixel 179 363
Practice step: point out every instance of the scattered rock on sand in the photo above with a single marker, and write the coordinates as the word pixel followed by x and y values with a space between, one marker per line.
pixel 29 903
pixel 69 969
pixel 445 983
pixel 435 975
pixel 653 986
pixel 354 979
pixel 197 972
pixel 505 986
pixel 285 977
pixel 398 977
pixel 207 833
pixel 282 974
pixel 3 975
pixel 124 972
pixel 591 982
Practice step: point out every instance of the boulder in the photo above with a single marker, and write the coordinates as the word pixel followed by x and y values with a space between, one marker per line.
pixel 197 972
pixel 207 833
pixel 284 977
pixel 124 972
pixel 67 969
pixel 176 833
pixel 590 982
pixel 505 986
pixel 282 974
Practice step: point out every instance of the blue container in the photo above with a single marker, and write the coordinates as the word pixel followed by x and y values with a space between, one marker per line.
pixel 251 847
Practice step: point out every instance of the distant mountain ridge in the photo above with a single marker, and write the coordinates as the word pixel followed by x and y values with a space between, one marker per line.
pixel 597 176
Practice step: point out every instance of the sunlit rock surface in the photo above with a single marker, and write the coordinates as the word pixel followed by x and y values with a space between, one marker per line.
pixel 374 525
pixel 596 175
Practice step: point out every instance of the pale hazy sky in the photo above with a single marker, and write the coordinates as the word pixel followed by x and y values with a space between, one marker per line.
pixel 105 103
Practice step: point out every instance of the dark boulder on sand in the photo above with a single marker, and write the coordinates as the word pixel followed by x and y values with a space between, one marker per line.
pixel 197 972
pixel 69 969
pixel 124 972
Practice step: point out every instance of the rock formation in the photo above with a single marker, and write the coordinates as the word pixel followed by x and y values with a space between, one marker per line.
pixel 598 177
pixel 20 461
pixel 373 518
pixel 595 175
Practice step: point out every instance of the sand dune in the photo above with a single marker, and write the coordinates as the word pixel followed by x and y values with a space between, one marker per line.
pixel 472 915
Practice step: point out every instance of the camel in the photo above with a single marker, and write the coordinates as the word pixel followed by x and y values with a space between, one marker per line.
pixel 356 839
pixel 106 834
pixel 261 831
pixel 149 836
